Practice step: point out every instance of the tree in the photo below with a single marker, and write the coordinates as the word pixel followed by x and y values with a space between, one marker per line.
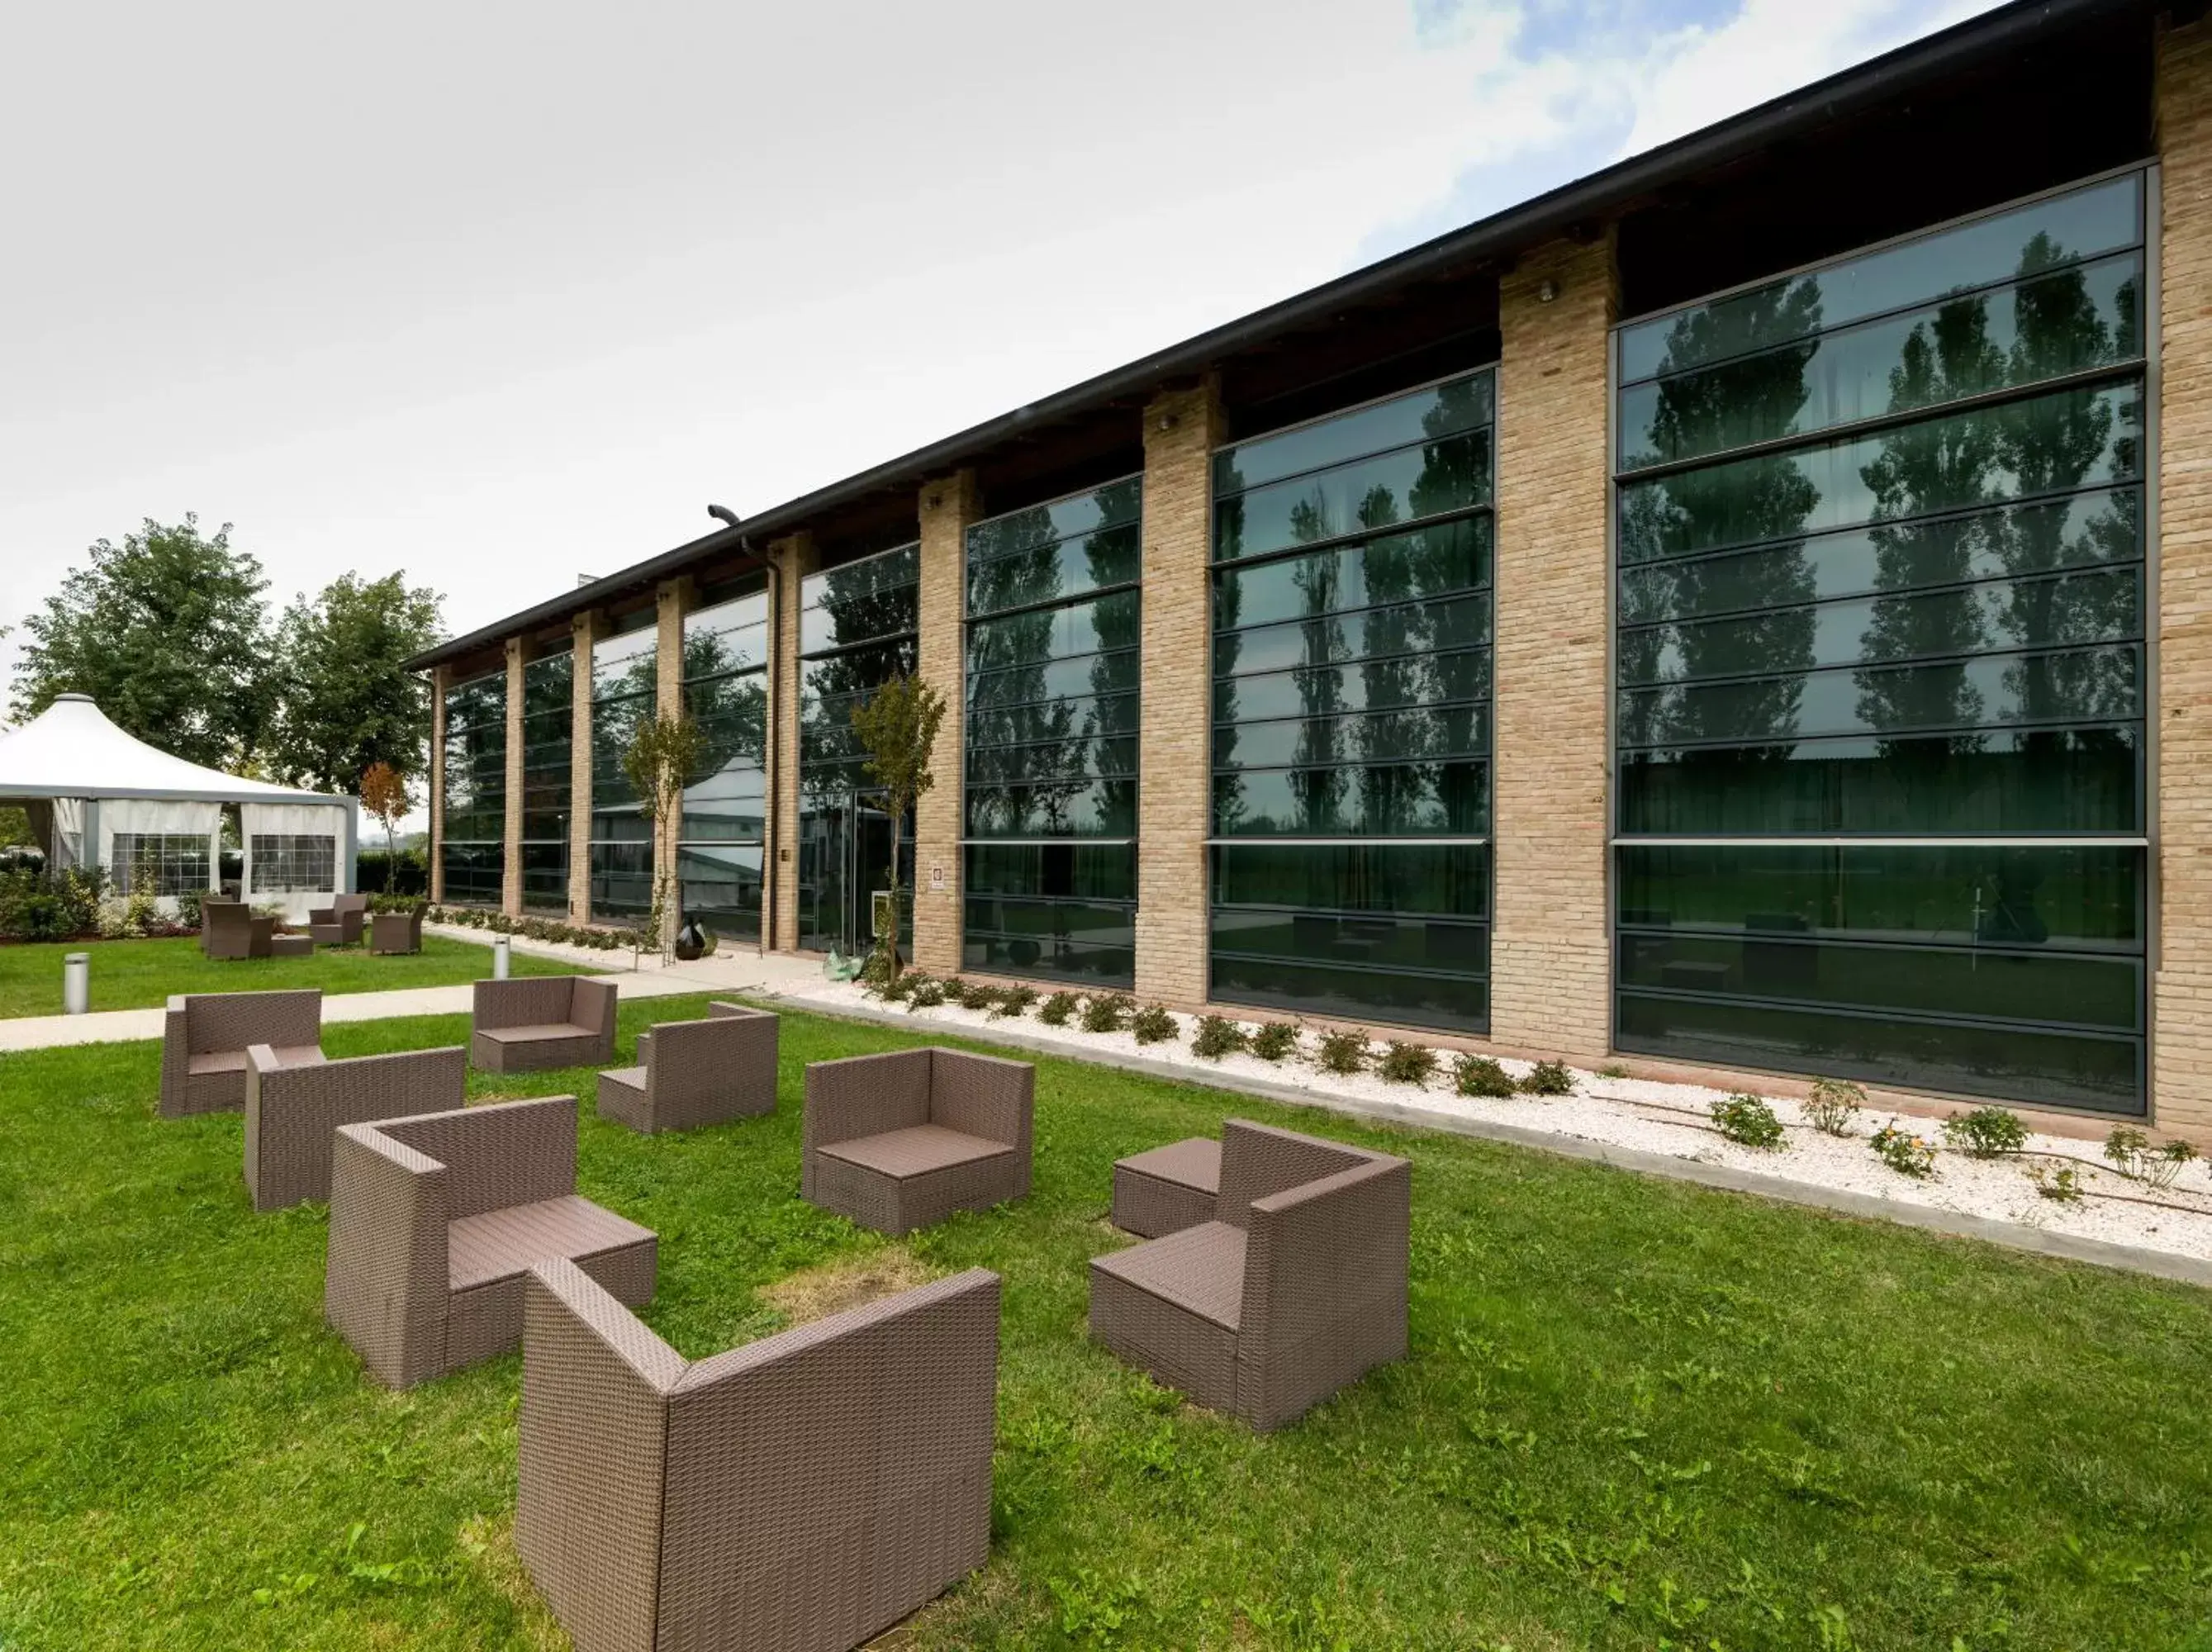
pixel 347 703
pixel 384 793
pixel 897 727
pixel 166 632
pixel 662 755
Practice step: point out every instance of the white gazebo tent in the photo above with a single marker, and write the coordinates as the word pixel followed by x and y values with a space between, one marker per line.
pixel 88 787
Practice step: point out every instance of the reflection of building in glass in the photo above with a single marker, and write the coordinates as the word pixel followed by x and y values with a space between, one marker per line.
pixel 1742 610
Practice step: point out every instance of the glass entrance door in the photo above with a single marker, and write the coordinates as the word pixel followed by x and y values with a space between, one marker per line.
pixel 844 863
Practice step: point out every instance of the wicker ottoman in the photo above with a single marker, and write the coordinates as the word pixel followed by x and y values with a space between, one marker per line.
pixel 291 946
pixel 1167 1190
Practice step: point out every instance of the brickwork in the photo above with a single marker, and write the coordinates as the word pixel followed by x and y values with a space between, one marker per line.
pixel 1549 952
pixel 2181 1009
pixel 948 506
pixel 442 678
pixel 585 630
pixel 510 860
pixel 1174 788
pixel 795 559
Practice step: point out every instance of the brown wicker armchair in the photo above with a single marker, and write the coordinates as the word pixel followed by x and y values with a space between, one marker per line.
pixel 436 1219
pixel 292 1112
pixel 542 1021
pixel 338 923
pixel 799 1494
pixel 228 929
pixel 396 931
pixel 901 1140
pixel 1296 1288
pixel 696 1073
pixel 205 1035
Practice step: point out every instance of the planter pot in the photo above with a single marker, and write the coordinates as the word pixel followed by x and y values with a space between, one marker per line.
pixel 691 943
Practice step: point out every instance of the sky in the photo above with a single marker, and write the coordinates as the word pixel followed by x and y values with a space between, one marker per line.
pixel 501 293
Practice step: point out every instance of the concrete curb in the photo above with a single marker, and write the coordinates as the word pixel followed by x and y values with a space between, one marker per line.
pixel 2016 1235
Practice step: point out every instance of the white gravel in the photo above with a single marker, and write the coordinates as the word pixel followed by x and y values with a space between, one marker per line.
pixel 1674 1120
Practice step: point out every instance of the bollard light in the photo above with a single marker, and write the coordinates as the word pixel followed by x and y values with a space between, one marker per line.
pixel 499 959
pixel 77 983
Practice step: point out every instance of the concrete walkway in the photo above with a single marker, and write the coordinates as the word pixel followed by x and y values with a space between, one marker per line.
pixel 745 973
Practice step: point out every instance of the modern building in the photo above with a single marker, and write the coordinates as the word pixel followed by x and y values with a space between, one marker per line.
pixel 1747 610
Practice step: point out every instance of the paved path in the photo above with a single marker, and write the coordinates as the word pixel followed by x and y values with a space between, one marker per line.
pixel 746 972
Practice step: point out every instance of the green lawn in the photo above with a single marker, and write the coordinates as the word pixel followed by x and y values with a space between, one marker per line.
pixel 139 975
pixel 1637 1415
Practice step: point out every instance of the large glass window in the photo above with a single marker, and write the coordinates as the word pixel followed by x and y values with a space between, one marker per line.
pixel 625 697
pixel 725 806
pixel 1054 620
pixel 472 846
pixel 1881 576
pixel 857 625
pixel 1352 634
pixel 549 723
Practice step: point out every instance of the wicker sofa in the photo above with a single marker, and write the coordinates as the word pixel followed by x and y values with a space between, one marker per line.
pixel 338 923
pixel 205 1035
pixel 1295 1288
pixel 542 1021
pixel 228 929
pixel 901 1140
pixel 696 1073
pixel 435 1220
pixel 798 1494
pixel 293 1112
pixel 396 931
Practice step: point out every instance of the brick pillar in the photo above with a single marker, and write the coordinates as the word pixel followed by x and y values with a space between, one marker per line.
pixel 795 560
pixel 673 599
pixel 948 506
pixel 1549 953
pixel 442 678
pixel 2181 992
pixel 1175 788
pixel 510 858
pixel 584 631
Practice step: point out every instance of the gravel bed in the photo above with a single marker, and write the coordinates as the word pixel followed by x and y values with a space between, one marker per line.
pixel 1674 1120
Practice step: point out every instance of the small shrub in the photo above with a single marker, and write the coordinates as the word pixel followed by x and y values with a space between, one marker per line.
pixel 1014 1001
pixel 2062 1186
pixel 2132 1155
pixel 972 994
pixel 1275 1040
pixel 1747 1121
pixel 1833 1105
pixel 928 994
pixel 1407 1064
pixel 875 975
pixel 1218 1036
pixel 1549 1079
pixel 1903 1153
pixel 898 991
pixel 1105 1012
pixel 1057 1009
pixel 1986 1132
pixel 1478 1075
pixel 1153 1025
pixel 1341 1052
pixel 1612 1070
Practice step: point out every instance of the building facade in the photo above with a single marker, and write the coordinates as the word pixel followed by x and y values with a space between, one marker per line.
pixel 1748 611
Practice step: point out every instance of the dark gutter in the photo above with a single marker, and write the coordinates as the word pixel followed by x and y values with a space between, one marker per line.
pixel 1570 208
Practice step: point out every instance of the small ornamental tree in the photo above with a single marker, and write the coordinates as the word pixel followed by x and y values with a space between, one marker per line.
pixel 385 795
pixel 897 727
pixel 662 757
